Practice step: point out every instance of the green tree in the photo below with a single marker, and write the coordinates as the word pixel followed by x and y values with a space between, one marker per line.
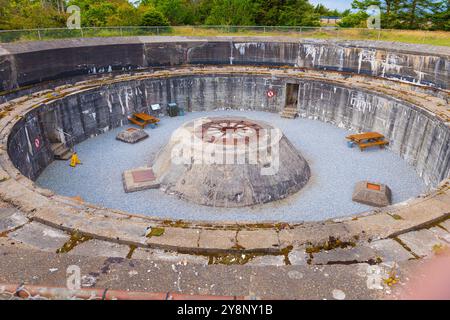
pixel 440 16
pixel 178 12
pixel 354 20
pixel 153 17
pixel 232 12
pixel 27 14
pixel 286 12
pixel 409 14
pixel 299 13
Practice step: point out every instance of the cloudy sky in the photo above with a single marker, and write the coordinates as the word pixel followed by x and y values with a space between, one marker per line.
pixel 334 4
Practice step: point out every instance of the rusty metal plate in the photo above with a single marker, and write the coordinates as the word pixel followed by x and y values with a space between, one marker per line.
pixel 143 176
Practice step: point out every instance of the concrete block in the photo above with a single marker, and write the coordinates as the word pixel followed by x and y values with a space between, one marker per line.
pixel 140 179
pixel 376 195
pixel 132 135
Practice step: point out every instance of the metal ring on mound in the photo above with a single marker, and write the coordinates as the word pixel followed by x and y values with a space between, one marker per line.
pixel 229 131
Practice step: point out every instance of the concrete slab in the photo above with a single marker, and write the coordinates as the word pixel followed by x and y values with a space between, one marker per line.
pixel 267 261
pixel 421 242
pixel 434 208
pixel 40 236
pixel 382 225
pixel 390 250
pixel 174 257
pixel 139 179
pixel 179 238
pixel 446 224
pixel 441 234
pixel 224 239
pixel 311 282
pixel 312 233
pixel 98 248
pixel 260 239
pixel 11 218
pixel 357 254
pixel 298 257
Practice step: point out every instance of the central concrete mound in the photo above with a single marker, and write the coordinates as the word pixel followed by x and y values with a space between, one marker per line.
pixel 230 162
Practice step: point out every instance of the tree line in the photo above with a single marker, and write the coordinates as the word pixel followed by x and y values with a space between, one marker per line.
pixel 409 14
pixel 403 14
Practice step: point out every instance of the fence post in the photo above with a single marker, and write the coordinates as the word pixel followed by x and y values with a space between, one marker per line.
pixel 82 34
pixel 121 32
pixel 39 34
pixel 157 31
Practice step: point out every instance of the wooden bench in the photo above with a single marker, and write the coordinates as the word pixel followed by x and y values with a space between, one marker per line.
pixel 141 124
pixel 380 143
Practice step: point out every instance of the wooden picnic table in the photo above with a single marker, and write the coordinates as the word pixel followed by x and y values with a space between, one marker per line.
pixel 146 117
pixel 143 119
pixel 368 139
pixel 365 136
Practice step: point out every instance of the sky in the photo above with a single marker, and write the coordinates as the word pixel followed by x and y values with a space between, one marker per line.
pixel 334 4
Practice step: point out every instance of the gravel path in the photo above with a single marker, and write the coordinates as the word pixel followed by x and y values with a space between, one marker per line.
pixel 335 170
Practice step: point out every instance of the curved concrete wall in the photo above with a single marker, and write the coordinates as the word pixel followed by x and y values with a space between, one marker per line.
pixel 23 64
pixel 415 135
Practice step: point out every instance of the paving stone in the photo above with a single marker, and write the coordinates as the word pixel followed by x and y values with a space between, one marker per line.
pixel 446 224
pixel 180 238
pixel 314 234
pixel 101 249
pixel 421 242
pixel 434 209
pixel 11 218
pixel 390 250
pixel 212 239
pixel 379 225
pixel 298 257
pixel 267 261
pixel 357 254
pixel 160 255
pixel 40 236
pixel 259 239
pixel 441 234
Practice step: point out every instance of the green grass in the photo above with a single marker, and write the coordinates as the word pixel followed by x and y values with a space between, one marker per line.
pixel 438 38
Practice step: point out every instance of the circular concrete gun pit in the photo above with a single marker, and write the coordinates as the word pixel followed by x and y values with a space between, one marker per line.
pixel 413 118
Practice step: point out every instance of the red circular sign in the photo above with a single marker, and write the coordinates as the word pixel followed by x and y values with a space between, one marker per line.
pixel 271 93
pixel 37 143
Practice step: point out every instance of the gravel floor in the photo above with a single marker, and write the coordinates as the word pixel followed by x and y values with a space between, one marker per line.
pixel 335 169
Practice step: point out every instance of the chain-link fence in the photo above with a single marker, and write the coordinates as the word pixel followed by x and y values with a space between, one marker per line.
pixel 330 32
